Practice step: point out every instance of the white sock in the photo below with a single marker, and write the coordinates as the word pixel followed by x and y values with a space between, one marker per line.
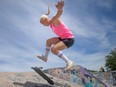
pixel 47 50
pixel 61 55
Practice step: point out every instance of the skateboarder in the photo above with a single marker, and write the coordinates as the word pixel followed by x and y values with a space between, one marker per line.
pixel 65 37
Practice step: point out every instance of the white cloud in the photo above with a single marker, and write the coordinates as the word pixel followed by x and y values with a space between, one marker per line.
pixel 91 61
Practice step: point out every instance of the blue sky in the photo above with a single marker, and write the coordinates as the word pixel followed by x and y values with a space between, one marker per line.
pixel 22 37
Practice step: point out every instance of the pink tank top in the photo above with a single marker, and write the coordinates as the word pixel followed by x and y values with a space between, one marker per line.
pixel 62 30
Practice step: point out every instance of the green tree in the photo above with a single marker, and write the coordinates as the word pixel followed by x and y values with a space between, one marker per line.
pixel 111 60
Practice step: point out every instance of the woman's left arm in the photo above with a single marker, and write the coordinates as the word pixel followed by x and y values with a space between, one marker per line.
pixel 59 6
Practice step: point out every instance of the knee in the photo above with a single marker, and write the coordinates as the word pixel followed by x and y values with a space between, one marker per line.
pixel 54 50
pixel 48 42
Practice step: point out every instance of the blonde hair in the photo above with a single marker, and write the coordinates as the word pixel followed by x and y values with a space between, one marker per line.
pixel 45 15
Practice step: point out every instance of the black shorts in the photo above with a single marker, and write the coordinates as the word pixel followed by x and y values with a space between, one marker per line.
pixel 68 41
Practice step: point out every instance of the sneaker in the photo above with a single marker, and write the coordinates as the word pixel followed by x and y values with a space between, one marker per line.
pixel 42 57
pixel 69 66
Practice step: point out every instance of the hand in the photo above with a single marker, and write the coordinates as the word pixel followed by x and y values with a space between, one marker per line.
pixel 60 4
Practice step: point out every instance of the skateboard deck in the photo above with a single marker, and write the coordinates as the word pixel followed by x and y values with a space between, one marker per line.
pixel 43 75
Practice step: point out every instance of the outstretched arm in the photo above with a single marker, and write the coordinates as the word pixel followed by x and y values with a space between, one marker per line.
pixel 59 6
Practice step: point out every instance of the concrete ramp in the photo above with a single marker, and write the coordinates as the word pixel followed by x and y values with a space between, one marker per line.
pixel 81 76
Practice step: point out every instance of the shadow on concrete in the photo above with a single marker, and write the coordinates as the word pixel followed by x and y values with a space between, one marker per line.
pixel 31 84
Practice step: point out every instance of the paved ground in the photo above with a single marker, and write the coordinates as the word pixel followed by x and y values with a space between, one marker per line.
pixel 29 79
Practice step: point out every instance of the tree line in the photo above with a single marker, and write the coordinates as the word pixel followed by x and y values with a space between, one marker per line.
pixel 110 63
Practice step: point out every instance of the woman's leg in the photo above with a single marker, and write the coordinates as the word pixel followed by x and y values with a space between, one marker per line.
pixel 49 42
pixel 56 49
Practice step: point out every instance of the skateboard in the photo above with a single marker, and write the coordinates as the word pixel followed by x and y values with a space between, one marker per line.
pixel 43 75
